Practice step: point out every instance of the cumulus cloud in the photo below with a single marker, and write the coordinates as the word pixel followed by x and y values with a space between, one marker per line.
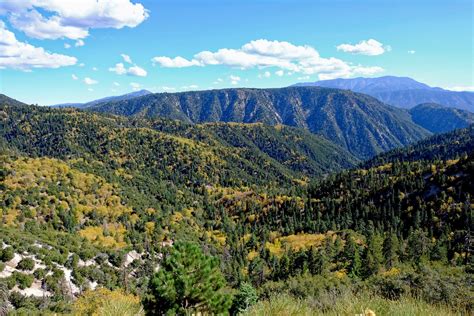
pixel 74 77
pixel 135 86
pixel 116 84
pixel 90 81
pixel 126 58
pixel 53 19
pixel 119 69
pixel 67 46
pixel 266 74
pixel 279 73
pixel 177 62
pixel 234 79
pixel 20 55
pixel 136 71
pixel 263 53
pixel 411 52
pixel 369 47
pixel 79 43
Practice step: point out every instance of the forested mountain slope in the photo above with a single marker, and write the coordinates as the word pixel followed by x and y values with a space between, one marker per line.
pixel 254 153
pixel 359 123
pixel 438 147
pixel 90 201
pixel 439 119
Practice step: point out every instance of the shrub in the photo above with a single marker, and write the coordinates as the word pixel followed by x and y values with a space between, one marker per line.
pixel 107 303
pixel 27 264
pixel 7 254
pixel 23 280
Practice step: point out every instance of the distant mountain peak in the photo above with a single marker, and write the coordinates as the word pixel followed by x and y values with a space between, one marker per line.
pixel 402 92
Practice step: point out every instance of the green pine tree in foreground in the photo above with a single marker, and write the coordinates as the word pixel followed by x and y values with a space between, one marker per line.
pixel 188 281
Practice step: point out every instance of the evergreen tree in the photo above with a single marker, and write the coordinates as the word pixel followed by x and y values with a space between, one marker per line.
pixel 374 255
pixel 390 250
pixel 188 281
pixel 246 297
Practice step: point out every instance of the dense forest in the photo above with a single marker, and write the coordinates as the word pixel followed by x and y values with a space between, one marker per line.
pixel 359 123
pixel 103 214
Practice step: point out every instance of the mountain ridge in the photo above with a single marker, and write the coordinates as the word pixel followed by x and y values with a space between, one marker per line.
pixel 357 122
pixel 125 96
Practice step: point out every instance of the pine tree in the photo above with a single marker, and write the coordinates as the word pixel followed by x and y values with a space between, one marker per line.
pixel 390 250
pixel 188 281
pixel 352 256
pixel 374 255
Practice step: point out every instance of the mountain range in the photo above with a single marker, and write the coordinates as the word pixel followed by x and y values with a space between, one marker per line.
pixel 402 92
pixel 126 96
pixel 357 122
pixel 91 201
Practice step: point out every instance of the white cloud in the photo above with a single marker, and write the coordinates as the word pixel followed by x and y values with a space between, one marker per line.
pixel 74 77
pixel 190 87
pixel 263 53
pixel 33 24
pixel 20 55
pixel 90 81
pixel 279 73
pixel 411 52
pixel 136 71
pixel 234 79
pixel 67 46
pixel 116 84
pixel 126 58
pixel 168 89
pixel 266 74
pixel 81 65
pixel 303 78
pixel 177 62
pixel 369 47
pixel 95 68
pixel 79 43
pixel 119 69
pixel 461 88
pixel 135 86
pixel 90 89
pixel 53 19
pixel 367 71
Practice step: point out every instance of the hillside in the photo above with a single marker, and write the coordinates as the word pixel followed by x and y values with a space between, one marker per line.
pixel 91 201
pixel 400 91
pixel 253 153
pixel 358 123
pixel 439 119
pixel 445 146
pixel 5 100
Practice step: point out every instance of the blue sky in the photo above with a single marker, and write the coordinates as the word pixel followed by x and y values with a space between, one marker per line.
pixel 73 53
